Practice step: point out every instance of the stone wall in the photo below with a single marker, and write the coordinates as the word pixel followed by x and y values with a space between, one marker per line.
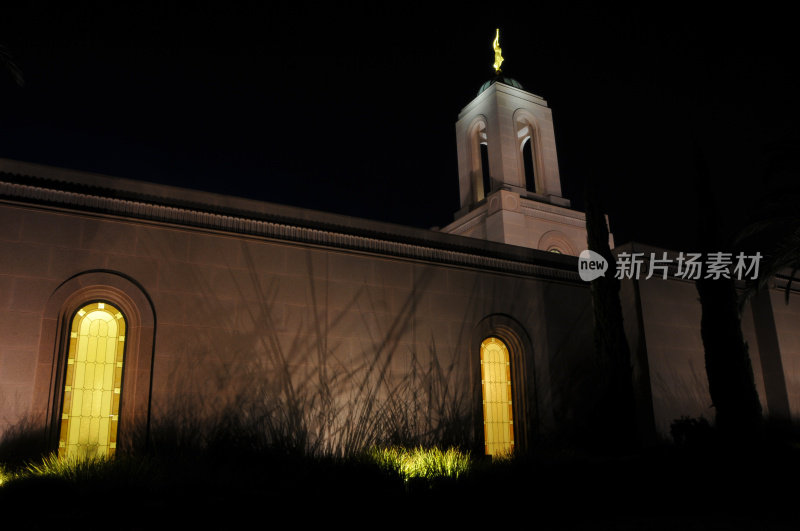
pixel 335 339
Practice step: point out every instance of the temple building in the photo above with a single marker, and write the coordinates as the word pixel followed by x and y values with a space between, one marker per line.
pixel 126 306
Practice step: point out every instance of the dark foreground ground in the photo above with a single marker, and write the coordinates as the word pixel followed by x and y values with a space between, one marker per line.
pixel 666 488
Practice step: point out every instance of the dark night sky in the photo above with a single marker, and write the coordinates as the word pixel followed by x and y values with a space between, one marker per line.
pixel 353 110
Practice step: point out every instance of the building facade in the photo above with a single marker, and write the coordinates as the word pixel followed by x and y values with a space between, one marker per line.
pixel 127 306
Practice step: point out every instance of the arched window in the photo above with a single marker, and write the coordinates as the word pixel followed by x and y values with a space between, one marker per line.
pixel 527 164
pixel 93 381
pixel 480 184
pixel 530 164
pixel 498 422
pixel 487 180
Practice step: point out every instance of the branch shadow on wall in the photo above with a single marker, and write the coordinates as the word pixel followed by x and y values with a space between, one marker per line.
pixel 296 377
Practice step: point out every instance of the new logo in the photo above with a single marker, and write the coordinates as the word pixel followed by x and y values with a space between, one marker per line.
pixel 591 265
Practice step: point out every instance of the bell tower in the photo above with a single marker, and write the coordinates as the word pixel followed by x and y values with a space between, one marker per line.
pixel 509 183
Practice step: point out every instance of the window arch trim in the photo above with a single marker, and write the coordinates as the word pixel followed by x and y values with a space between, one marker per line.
pixel 555 239
pixel 523 380
pixel 135 304
pixel 477 135
pixel 522 119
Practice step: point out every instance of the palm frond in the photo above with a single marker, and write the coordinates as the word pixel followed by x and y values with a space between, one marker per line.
pixel 8 62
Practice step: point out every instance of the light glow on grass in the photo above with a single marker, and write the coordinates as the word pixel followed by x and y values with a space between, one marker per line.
pixel 428 463
pixel 67 468
pixel 5 476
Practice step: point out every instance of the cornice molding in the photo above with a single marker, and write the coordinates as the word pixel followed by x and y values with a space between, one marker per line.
pixel 551 216
pixel 470 223
pixel 141 210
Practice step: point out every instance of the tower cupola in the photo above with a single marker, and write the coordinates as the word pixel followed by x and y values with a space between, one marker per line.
pixel 509 183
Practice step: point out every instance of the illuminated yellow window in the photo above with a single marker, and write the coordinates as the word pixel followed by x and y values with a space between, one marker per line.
pixel 498 424
pixel 93 381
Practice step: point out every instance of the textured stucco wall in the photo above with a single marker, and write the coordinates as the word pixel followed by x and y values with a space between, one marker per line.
pixel 671 320
pixel 241 323
pixel 787 325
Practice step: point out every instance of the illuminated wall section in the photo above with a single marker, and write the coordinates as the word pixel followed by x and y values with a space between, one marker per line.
pixel 92 385
pixel 498 425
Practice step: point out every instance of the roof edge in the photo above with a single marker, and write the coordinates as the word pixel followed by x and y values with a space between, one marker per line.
pixel 46 185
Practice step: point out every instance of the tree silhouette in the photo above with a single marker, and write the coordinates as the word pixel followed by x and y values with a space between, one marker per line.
pixel 773 227
pixel 612 351
pixel 728 368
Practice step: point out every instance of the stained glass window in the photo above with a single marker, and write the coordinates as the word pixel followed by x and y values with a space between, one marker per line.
pixel 93 382
pixel 498 425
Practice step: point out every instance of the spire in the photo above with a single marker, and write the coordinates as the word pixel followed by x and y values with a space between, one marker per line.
pixel 498 57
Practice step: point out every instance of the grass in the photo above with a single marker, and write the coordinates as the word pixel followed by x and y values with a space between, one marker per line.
pixel 76 470
pixel 231 476
pixel 666 489
pixel 207 490
pixel 5 475
pixel 68 468
pixel 426 463
pixel 422 463
pixel 203 489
